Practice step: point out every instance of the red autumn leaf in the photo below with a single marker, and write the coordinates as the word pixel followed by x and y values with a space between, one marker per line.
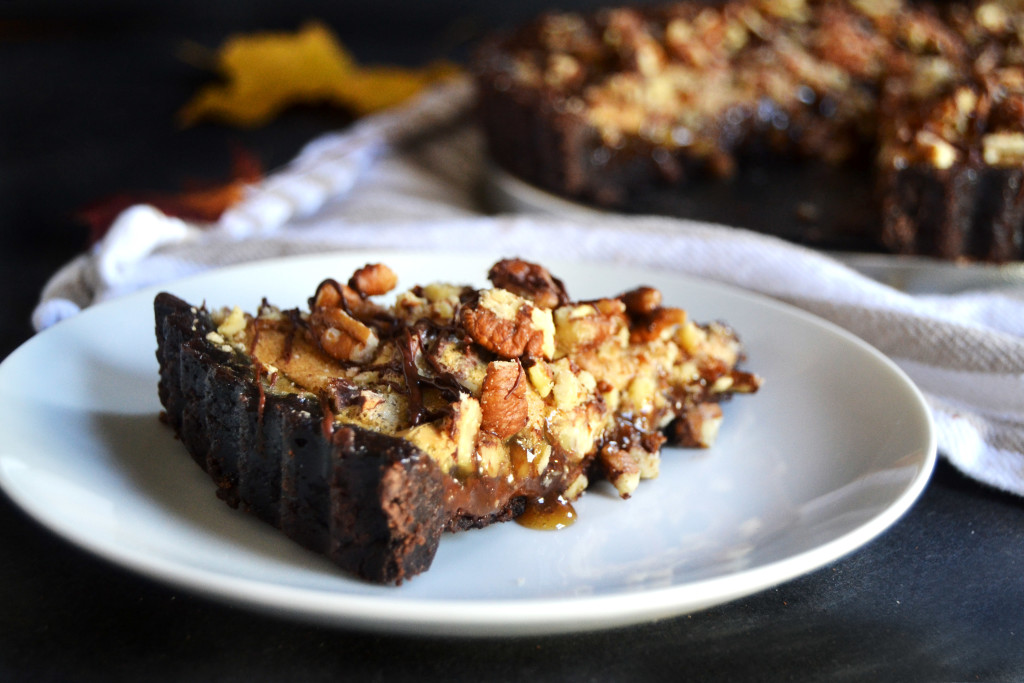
pixel 203 203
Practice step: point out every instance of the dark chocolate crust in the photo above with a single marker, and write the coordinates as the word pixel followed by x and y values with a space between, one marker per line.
pixel 372 503
pixel 965 211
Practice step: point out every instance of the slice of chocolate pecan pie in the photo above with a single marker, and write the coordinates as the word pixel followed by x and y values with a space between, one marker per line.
pixel 365 431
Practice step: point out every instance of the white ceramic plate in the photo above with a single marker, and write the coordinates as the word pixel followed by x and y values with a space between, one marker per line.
pixel 833 450
pixel 914 274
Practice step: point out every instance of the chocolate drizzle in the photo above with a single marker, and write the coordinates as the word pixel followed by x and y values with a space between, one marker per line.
pixel 410 349
pixel 297 324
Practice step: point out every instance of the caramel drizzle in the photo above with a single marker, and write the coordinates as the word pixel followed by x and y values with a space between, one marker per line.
pixel 262 402
pixel 327 423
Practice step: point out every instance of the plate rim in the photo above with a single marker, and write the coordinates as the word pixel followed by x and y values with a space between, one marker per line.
pixel 476 617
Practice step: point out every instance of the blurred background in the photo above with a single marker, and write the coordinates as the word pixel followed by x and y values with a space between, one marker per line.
pixel 89 93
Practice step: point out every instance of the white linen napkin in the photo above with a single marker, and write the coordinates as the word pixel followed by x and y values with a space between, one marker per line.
pixel 412 177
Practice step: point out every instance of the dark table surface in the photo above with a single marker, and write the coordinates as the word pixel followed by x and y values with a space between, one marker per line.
pixel 88 92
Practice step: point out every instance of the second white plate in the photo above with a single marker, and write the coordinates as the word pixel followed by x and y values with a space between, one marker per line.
pixel 833 450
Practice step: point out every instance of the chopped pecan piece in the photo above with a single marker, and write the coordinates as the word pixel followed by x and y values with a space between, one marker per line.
pixel 1004 150
pixel 631 456
pixel 656 324
pixel 642 300
pixel 337 332
pixel 343 337
pixel 333 294
pixel 621 468
pixel 587 325
pixel 698 427
pixel 459 361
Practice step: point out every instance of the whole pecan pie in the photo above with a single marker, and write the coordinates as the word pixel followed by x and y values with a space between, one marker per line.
pixel 920 103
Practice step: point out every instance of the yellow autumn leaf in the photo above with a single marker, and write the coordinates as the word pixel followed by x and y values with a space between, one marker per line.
pixel 265 73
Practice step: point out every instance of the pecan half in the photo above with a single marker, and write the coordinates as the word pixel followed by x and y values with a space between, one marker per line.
pixel 642 300
pixel 529 281
pixel 508 325
pixel 503 399
pixel 373 279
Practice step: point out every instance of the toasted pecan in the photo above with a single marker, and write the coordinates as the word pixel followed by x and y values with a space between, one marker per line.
pixel 530 281
pixel 503 399
pixel 508 325
pixel 373 279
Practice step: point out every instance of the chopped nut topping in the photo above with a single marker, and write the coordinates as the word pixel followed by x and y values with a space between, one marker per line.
pixel 577 487
pixel 793 10
pixel 1004 150
pixel 660 323
pixel 688 86
pixel 937 151
pixel 340 335
pixel 562 71
pixel 331 294
pixel 642 300
pixel 587 325
pixel 496 387
pixel 993 17
pixel 459 360
pixel 233 324
pixel 699 427
pixel 463 427
pixel 877 9
pixel 621 468
pixel 542 378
